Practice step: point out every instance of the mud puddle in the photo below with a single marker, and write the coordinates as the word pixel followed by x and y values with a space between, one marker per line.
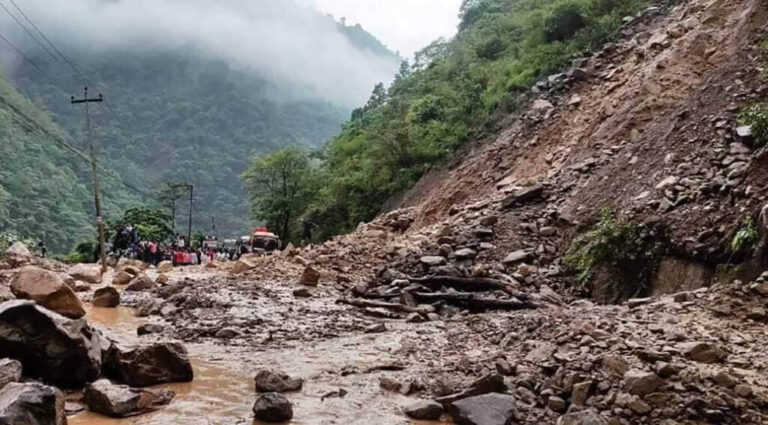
pixel 222 392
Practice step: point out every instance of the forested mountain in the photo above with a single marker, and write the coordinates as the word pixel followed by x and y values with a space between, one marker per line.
pixel 193 105
pixel 45 191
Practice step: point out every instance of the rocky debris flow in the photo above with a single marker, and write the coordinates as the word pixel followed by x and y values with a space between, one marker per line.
pixel 90 273
pixel 48 290
pixel 31 404
pixel 122 401
pixel 146 365
pixel 18 255
pixel 140 283
pixel 424 410
pixel 268 381
pixel 487 409
pixel 51 347
pixel 107 297
pixel 273 408
pixel 10 371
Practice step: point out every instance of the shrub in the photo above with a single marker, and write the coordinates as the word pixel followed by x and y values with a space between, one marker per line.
pixel 564 22
pixel 745 239
pixel 628 251
pixel 756 117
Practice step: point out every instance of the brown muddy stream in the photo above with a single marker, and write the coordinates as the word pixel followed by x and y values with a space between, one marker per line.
pixel 222 392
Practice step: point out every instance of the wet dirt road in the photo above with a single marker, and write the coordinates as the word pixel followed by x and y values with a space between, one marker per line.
pixel 222 391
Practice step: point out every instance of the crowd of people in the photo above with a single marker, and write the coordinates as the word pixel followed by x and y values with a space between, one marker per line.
pixel 129 243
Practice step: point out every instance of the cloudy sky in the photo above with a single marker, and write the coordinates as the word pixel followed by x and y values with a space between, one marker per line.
pixel 403 25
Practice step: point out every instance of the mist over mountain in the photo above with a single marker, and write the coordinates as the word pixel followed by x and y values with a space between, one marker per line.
pixel 194 88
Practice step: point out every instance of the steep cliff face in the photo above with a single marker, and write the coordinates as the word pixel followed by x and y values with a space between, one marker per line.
pixel 646 127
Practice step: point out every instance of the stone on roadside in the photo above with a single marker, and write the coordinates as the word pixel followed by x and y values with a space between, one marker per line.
pixel 301 293
pixel 641 383
pixel 121 278
pixel 272 408
pixel 51 347
pixel 432 260
pixel 586 417
pixel 515 257
pixel 704 352
pixel 424 410
pixel 310 276
pixel 31 404
pixel 269 381
pixel 48 290
pixel 90 273
pixel 122 401
pixel 142 282
pixel 146 365
pixel 10 372
pixel 487 409
pixel 106 297
pixel 164 267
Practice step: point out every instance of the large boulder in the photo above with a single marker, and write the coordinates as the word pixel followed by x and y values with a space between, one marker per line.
pixel 122 401
pixel 10 372
pixel 48 290
pixel 51 347
pixel 142 282
pixel 273 407
pixel 90 273
pixel 107 297
pixel 487 409
pixel 147 365
pixel 18 254
pixel 31 404
pixel 268 381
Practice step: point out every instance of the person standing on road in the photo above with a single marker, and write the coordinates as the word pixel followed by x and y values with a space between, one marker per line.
pixel 306 230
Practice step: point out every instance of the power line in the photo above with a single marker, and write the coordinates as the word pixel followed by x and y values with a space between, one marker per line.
pixel 25 57
pixel 47 40
pixel 24 27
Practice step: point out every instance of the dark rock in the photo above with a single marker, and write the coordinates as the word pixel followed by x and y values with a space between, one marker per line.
pixel 523 195
pixel 62 351
pixel 106 297
pixel 492 383
pixel 310 277
pixel 487 409
pixel 122 401
pixel 150 328
pixel 149 364
pixel 273 407
pixel 424 410
pixel 48 290
pixel 31 404
pixel 641 383
pixel 301 293
pixel 10 371
pixel 704 352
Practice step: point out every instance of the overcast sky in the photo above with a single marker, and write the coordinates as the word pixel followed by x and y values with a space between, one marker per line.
pixel 403 25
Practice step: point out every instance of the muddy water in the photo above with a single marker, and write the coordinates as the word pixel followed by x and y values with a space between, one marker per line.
pixel 222 392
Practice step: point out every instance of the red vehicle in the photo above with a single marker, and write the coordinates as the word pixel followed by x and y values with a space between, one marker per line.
pixel 263 241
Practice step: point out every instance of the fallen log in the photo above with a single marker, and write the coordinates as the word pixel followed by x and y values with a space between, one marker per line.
pixel 469 284
pixel 382 304
pixel 475 302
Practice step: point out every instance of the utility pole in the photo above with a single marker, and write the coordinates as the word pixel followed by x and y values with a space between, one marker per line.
pixel 213 227
pixel 94 171
pixel 189 231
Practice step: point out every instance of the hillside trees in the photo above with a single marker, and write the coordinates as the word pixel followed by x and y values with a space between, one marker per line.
pixel 281 185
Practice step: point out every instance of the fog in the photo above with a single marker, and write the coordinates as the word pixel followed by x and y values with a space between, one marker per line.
pixel 279 40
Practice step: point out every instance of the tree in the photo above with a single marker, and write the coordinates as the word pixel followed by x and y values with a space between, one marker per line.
pixel 281 186
pixel 152 224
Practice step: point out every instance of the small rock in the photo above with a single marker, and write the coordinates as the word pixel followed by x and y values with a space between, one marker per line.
pixel 516 257
pixel 641 383
pixel 724 379
pixel 10 372
pixel 743 390
pixel 268 381
pixel 150 328
pixel 164 267
pixel 122 401
pixel 424 410
pixel 301 293
pixel 432 260
pixel 91 273
pixel 757 314
pixel 121 278
pixel 504 368
pixel 106 297
pixel 487 409
pixel 151 364
pixel 310 277
pixel 586 417
pixel 704 352
pixel 557 404
pixel 273 407
pixel 142 282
